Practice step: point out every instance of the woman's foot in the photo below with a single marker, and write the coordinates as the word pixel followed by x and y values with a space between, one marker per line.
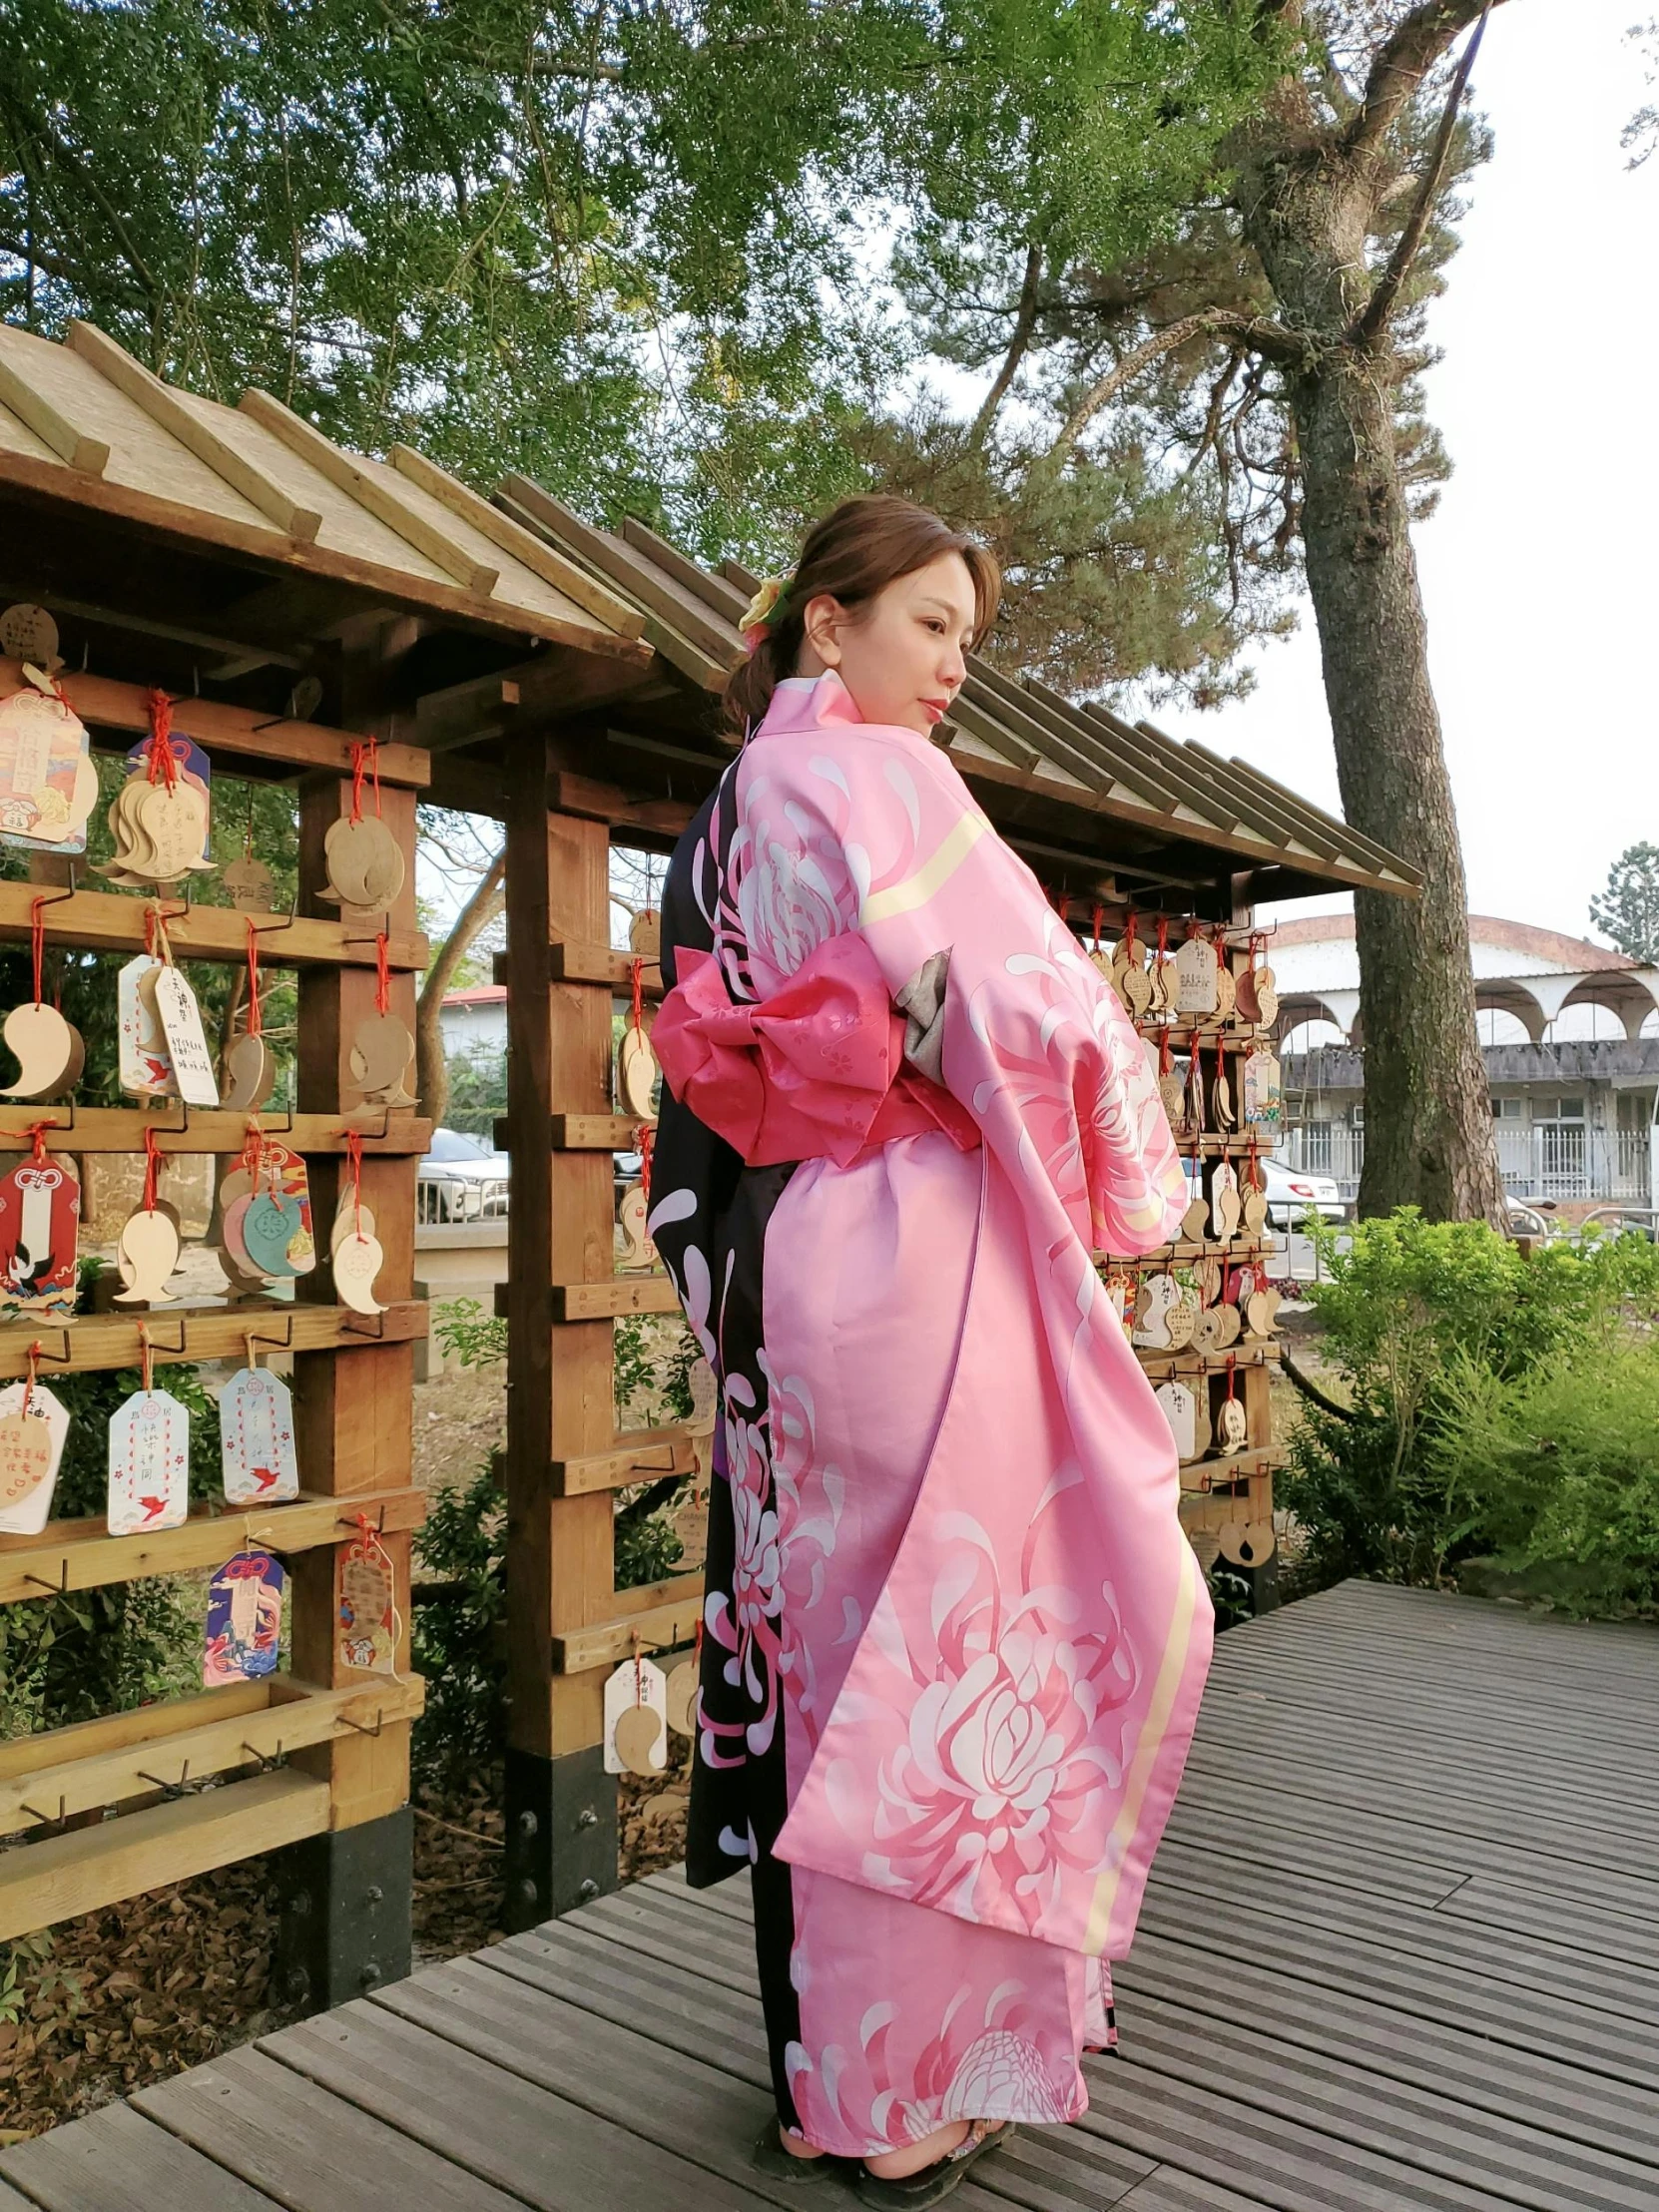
pixel 894 2182
pixel 896 2165
pixel 787 2156
pixel 798 2145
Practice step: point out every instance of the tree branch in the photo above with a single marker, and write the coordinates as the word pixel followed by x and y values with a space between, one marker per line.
pixel 1253 333
pixel 476 915
pixel 1373 319
pixel 1401 66
pixel 1025 322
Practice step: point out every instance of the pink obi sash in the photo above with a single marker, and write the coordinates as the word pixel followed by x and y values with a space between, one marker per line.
pixel 816 1071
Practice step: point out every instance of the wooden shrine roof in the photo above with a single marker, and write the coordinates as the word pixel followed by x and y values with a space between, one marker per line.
pixel 1017 734
pixel 84 425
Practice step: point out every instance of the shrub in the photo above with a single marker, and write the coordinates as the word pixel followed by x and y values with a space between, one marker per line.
pixel 1479 1384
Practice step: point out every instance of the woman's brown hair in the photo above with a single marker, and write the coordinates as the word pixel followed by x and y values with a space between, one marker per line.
pixel 852 554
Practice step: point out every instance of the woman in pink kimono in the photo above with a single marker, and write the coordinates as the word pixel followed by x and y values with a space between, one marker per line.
pixel 954 1637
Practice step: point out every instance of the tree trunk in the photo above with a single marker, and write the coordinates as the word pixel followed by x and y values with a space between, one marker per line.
pixel 431 1069
pixel 1428 1124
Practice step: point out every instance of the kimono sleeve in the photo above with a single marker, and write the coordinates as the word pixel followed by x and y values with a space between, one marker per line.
pixel 1003 1005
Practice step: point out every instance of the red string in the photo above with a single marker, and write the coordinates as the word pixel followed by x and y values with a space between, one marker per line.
pixel 365 764
pixel 383 976
pixel 147 1359
pixel 648 1137
pixel 1165 1060
pixel 253 1150
pixel 37 1130
pixel 1232 1375
pixel 256 1017
pixel 1130 926
pixel 636 977
pixel 37 940
pixel 355 1168
pixel 152 1170
pixel 33 1371
pixel 164 762
pixel 1162 935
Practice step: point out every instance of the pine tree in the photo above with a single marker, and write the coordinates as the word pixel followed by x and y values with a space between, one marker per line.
pixel 1628 909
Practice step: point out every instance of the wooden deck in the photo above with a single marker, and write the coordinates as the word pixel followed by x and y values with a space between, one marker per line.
pixel 1399 1952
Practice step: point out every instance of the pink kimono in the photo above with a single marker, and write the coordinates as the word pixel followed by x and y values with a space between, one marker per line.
pixel 954 1637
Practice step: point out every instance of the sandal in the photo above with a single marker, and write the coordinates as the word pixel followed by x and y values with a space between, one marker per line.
pixel 769 2157
pixel 936 2181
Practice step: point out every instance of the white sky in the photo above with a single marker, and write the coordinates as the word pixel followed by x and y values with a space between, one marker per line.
pixel 1539 570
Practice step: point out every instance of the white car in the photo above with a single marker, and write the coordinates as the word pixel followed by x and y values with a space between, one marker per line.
pixel 1291 1192
pixel 461 1179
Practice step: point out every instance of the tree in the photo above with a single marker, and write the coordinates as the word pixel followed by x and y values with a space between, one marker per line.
pixel 453 844
pixel 1628 909
pixel 1277 341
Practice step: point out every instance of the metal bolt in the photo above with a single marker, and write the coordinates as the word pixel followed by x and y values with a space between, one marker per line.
pixel 369 1975
pixel 300 1904
pixel 527 1891
pixel 587 1818
pixel 375 1892
pixel 528 1825
pixel 589 1889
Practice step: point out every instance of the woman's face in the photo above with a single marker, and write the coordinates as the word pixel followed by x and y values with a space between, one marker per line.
pixel 902 653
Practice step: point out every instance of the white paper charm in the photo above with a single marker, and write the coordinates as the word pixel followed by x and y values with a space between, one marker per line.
pixel 1180 1409
pixel 31 1449
pixel 149 1463
pixel 187 1044
pixel 145 1070
pixel 256 1438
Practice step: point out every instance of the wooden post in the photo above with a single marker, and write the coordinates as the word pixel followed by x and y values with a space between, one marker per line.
pixel 347 1895
pixel 560 1803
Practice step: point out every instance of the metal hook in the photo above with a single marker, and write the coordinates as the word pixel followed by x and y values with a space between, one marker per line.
pixel 57 1359
pixel 176 1349
pixel 355 1522
pixel 282 1343
pixel 259 1759
pixel 59 1588
pixel 272 928
pixel 168 1789
pixel 174 1128
pixel 47 1820
pixel 356 1328
pixel 379 1723
pixel 56 898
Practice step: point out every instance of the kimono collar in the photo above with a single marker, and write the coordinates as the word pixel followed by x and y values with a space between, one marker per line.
pixel 808 703
pixel 800 702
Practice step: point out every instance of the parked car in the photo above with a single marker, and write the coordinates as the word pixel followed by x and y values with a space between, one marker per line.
pixel 1290 1192
pixel 461 1179
pixel 1293 1191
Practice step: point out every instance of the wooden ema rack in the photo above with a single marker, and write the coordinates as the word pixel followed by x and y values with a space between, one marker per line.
pixel 321 1754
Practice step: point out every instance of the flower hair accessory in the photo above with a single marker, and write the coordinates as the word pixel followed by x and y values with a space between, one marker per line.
pixel 763 610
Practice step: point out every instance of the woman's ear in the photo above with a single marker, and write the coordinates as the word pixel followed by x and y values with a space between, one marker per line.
pixel 822 622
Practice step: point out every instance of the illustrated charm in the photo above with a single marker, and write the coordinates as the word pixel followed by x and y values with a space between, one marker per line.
pixel 245 1619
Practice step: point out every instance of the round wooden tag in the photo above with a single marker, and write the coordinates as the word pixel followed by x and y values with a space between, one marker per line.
pixel 1246 1543
pixel 29 634
pixel 638 1733
pixel 681 1692
pixel 1232 1429
pixel 45 1046
pixel 645 934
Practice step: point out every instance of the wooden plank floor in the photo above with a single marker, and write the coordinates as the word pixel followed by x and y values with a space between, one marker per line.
pixel 1400 1953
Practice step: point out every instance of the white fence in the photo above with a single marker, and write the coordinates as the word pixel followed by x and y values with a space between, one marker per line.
pixel 1548 1160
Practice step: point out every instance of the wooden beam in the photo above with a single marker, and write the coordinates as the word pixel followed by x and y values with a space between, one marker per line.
pixel 142 1725
pixel 180 421
pixel 66 1779
pixel 82 1555
pixel 82 451
pixel 593 800
pixel 94 1867
pixel 371 490
pixel 353 1408
pixel 646 1455
pixel 671 1620
pixel 524 545
pixel 198 1128
pixel 109 921
pixel 99 1340
pixel 604 1300
pixel 239 732
pixel 509 702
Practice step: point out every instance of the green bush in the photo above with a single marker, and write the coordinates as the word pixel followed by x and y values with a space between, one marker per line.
pixel 1498 1405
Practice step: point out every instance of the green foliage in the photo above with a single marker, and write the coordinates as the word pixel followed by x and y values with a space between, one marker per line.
pixel 456 1640
pixel 1495 1407
pixel 477 1091
pixel 30 1977
pixel 477 1338
pixel 1628 909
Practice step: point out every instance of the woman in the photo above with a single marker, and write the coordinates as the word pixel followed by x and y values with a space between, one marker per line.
pixel 954 1638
